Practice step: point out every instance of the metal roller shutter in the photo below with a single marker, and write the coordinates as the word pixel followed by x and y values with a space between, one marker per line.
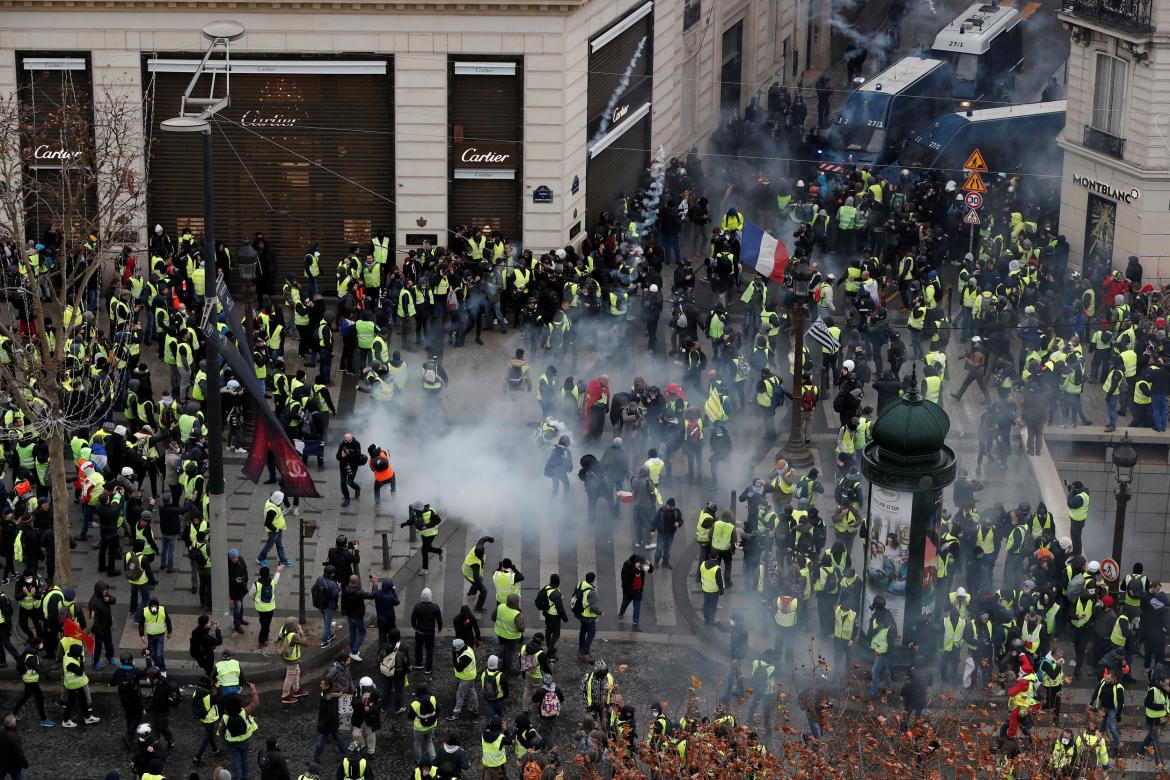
pixel 304 155
pixel 486 111
pixel 616 171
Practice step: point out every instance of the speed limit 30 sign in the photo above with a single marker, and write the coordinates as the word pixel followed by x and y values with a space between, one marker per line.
pixel 973 200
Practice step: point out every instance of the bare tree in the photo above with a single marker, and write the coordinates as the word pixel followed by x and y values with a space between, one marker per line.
pixel 58 368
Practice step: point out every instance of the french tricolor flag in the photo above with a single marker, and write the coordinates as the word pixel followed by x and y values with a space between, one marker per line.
pixel 764 252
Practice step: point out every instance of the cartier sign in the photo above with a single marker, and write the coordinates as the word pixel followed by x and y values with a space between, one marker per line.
pixel 262 119
pixel 45 152
pixel 485 154
pixel 619 113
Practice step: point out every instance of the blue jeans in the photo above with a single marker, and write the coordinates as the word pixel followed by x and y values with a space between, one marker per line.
pixel 139 598
pixel 1109 726
pixel 326 364
pixel 88 513
pixel 1159 412
pixel 274 538
pixel 1111 404
pixel 662 548
pixel 238 753
pixel 322 739
pixel 672 248
pixel 627 601
pixel 156 644
pixel 881 669
pixel 327 631
pixel 168 552
pixel 237 613
pixel 710 605
pixel 357 634
pixel 208 740
pixel 585 638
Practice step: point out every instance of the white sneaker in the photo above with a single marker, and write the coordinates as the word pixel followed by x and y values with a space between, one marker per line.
pixel 92 719
pixel 650 545
pixel 68 724
pixel 424 571
pixel 354 657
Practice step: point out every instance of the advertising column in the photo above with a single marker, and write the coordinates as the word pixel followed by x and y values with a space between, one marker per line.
pixel 486 146
pixel 620 82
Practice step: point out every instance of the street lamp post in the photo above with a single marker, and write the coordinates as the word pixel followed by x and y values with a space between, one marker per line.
pixel 1124 459
pixel 220 34
pixel 796 452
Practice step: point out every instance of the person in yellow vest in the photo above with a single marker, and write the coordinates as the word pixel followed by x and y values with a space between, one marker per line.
pixel 424 715
pixel 1078 512
pixel 291 641
pixel 237 725
pixel 712 583
pixel 76 684
pixel 844 632
pixel 1157 707
pixel 264 600
pixel 154 626
pixel 313 269
pixel 932 385
pixel 494 743
pixel 881 636
pixel 509 629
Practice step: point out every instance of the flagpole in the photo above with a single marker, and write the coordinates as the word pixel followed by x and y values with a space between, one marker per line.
pixel 796 452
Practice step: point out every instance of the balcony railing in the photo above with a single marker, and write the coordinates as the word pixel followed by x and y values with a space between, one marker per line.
pixel 1100 141
pixel 1129 15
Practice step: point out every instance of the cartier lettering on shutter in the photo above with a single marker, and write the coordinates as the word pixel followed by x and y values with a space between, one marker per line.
pixel 485 144
pixel 304 154
pixel 618 166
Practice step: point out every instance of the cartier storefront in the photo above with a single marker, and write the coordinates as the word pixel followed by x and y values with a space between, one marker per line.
pixel 485 150
pixel 304 154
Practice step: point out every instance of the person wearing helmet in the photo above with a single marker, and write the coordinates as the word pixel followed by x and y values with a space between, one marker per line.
pixel 367 716
pixel 146 749
pixel 127 679
pixel 274 525
pixel 379 460
pixel 880 635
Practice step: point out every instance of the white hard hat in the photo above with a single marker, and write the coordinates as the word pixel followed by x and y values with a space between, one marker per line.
pixel 848 365
pixel 233 385
pixel 800 183
pixel 960 592
pixel 277 497
pixel 653 288
pixel 365 682
pixel 158 228
pixel 1094 566
pixel 127 471
pixel 144 730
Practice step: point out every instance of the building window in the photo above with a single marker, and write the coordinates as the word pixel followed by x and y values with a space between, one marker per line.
pixel 690 93
pixel 1109 94
pixel 692 9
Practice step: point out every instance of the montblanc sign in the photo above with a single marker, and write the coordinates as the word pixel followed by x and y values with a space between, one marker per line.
pixel 1127 196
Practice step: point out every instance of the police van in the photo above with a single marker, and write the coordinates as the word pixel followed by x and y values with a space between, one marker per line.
pixel 985 47
pixel 1012 139
pixel 875 118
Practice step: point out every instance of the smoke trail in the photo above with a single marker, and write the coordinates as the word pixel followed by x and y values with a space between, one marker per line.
pixel 622 86
pixel 650 199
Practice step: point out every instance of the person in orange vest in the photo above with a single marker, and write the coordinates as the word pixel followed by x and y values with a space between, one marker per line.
pixel 383 472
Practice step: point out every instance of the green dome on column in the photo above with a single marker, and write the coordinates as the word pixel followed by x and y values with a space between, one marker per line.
pixel 911 426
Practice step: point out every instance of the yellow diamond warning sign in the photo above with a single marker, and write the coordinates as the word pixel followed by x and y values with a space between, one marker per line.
pixel 974 183
pixel 975 162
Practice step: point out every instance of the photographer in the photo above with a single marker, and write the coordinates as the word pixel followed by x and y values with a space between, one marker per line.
pixel 344 558
pixel 205 637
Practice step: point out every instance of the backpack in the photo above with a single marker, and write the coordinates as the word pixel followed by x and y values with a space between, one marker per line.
pixel 527 662
pixel 577 602
pixel 681 323
pixel 694 431
pixel 808 400
pixel 430 373
pixel 515 375
pixel 319 593
pixel 266 591
pixel 381 464
pixel 838 403
pixel 550 705
pixel 542 602
pixel 491 690
pixel 132 569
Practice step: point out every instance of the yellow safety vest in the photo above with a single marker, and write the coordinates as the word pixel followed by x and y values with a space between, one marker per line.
pixel 721 534
pixel 505 582
pixel 469 672
pixel 708 577
pixel 843 622
pixel 493 752
pixel 506 622
pixel 786 615
pixel 155 623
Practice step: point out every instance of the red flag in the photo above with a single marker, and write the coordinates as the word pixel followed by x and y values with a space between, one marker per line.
pixel 74 631
pixel 297 481
pixel 258 452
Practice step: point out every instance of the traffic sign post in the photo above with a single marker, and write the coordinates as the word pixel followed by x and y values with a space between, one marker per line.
pixel 975 162
pixel 974 189
pixel 971 218
pixel 973 200
pixel 974 183
pixel 1110 570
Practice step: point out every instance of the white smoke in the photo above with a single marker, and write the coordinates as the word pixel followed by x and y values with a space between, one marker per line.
pixel 618 91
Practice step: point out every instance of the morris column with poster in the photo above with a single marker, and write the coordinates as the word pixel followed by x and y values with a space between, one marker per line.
pixel 618 131
pixel 303 155
pixel 907 464
pixel 485 146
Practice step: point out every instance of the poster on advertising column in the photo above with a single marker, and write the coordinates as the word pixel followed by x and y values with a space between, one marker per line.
pixel 888 556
